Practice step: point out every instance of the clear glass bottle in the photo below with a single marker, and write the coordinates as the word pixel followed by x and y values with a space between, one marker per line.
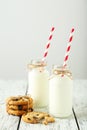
pixel 60 92
pixel 38 81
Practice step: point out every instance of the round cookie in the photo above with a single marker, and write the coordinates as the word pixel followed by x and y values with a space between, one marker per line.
pixel 15 112
pixel 19 100
pixel 37 117
pixel 17 107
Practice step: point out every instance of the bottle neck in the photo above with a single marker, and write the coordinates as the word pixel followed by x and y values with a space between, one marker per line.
pixel 37 65
pixel 62 71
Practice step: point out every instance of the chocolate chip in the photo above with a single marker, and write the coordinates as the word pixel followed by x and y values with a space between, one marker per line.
pixel 19 107
pixel 31 109
pixel 28 118
pixel 37 114
pixel 35 117
pixel 16 99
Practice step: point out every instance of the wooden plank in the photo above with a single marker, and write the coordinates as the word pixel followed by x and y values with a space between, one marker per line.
pixel 60 124
pixel 7 122
pixel 80 103
pixel 10 88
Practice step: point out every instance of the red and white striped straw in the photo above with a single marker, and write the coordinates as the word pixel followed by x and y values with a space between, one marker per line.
pixel 68 48
pixel 48 44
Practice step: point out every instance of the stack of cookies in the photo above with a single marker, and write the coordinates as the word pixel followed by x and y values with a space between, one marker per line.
pixel 19 105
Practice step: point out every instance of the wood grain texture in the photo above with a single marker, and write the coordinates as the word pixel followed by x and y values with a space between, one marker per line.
pixel 10 88
pixel 80 103
pixel 60 124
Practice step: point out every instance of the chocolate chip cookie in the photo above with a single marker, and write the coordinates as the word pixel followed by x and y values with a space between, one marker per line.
pixel 37 117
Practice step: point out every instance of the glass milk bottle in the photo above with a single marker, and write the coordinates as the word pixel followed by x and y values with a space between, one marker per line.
pixel 60 92
pixel 38 83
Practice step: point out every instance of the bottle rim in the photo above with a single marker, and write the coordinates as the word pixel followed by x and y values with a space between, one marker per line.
pixel 60 70
pixel 36 64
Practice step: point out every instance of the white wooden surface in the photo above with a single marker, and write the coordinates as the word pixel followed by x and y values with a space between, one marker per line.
pixel 80 103
pixel 10 88
pixel 9 122
pixel 60 124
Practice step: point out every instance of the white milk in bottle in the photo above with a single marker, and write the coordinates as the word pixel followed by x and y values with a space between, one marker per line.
pixel 60 92
pixel 38 83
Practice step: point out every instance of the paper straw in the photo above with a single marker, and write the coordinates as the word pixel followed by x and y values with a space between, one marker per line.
pixel 48 44
pixel 68 48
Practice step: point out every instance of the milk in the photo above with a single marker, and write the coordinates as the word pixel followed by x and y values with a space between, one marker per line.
pixel 38 85
pixel 60 95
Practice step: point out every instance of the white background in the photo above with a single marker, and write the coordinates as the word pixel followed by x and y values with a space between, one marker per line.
pixel 24 31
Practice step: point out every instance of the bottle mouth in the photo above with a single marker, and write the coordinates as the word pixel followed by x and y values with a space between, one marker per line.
pixel 60 70
pixel 36 64
pixel 56 67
